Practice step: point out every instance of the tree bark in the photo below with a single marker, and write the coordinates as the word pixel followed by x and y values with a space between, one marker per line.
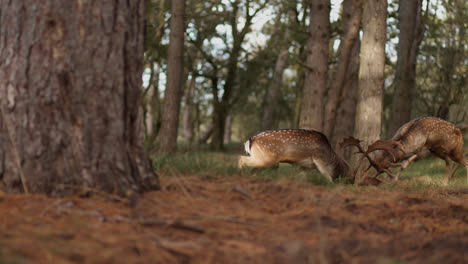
pixel 346 112
pixel 371 72
pixel 317 66
pixel 405 74
pixel 351 22
pixel 70 80
pixel 175 73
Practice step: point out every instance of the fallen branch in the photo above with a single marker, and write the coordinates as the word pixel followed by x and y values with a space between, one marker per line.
pixel 172 223
pixel 243 192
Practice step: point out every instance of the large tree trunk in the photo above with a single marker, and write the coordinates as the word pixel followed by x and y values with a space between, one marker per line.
pixel 70 79
pixel 351 21
pixel 371 72
pixel 175 73
pixel 405 74
pixel 317 66
pixel 346 111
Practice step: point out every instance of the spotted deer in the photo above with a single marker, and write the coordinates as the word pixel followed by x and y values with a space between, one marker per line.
pixel 306 148
pixel 440 137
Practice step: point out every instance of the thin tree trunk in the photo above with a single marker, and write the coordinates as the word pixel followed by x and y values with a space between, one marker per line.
pixel 346 112
pixel 272 98
pixel 173 94
pixel 152 105
pixel 371 72
pixel 206 135
pixel 405 74
pixel 227 129
pixel 351 21
pixel 317 66
pixel 238 36
pixel 274 91
pixel 70 81
pixel 189 109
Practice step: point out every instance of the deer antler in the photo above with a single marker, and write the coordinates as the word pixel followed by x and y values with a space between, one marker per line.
pixel 386 145
pixel 351 141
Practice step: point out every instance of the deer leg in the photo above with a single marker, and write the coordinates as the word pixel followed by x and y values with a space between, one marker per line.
pixel 466 166
pixel 404 164
pixel 448 172
pixel 256 162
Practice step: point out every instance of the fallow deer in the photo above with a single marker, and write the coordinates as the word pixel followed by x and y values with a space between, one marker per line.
pixel 440 137
pixel 306 148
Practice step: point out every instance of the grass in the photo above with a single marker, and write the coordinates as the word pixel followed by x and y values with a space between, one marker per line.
pixel 207 164
pixel 434 169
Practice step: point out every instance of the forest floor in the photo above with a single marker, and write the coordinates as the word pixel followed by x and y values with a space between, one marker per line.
pixel 240 219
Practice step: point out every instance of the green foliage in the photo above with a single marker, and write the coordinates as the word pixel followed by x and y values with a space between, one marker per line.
pixel 442 75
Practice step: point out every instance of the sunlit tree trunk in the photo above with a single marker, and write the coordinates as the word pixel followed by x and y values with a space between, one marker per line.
pixel 371 72
pixel 316 66
pixel 70 80
pixel 175 72
pixel 405 74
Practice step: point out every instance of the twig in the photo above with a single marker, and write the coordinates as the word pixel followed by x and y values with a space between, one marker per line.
pixel 50 206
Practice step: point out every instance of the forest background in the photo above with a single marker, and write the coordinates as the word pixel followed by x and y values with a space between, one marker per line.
pixel 254 65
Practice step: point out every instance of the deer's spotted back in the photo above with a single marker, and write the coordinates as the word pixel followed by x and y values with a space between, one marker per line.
pixel 278 141
pixel 431 131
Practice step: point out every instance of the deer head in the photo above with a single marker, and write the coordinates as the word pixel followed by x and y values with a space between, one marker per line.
pixel 442 138
pixel 383 161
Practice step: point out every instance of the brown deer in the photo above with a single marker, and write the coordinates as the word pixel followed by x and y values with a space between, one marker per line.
pixel 440 137
pixel 306 148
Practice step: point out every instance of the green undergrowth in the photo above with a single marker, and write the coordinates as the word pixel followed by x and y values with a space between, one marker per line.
pixel 421 174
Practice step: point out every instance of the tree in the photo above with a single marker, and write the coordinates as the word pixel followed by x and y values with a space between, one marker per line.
pixel 371 71
pixel 346 112
pixel 189 106
pixel 316 66
pixel 72 118
pixel 152 104
pixel 442 74
pixel 175 73
pixel 350 24
pixel 273 93
pixel 223 107
pixel 155 54
pixel 408 45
